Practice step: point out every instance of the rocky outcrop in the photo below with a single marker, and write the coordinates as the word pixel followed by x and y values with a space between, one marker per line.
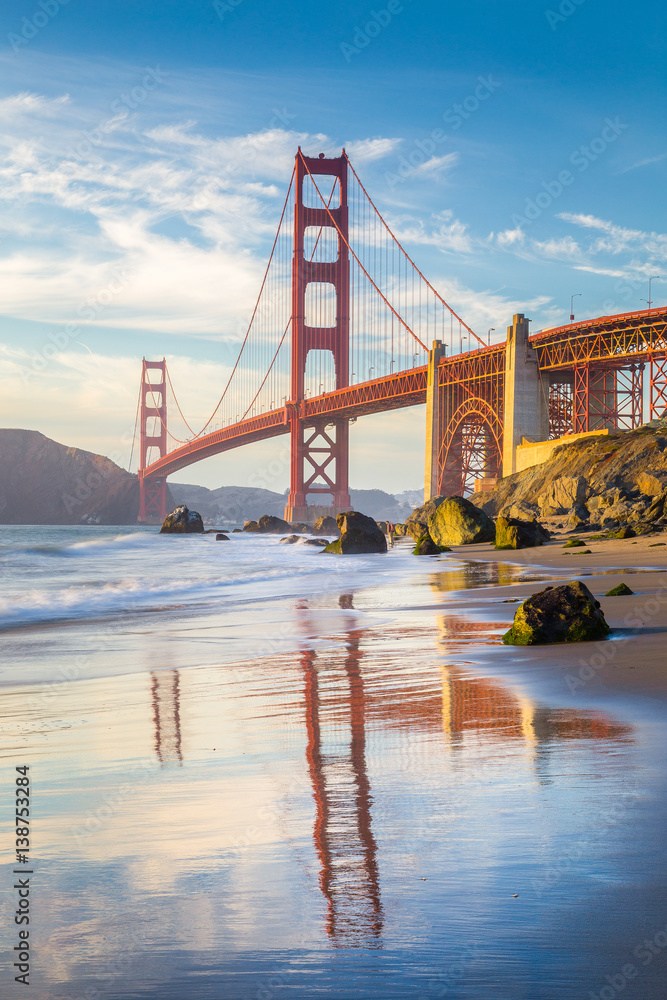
pixel 325 526
pixel 358 534
pixel 43 482
pixel 512 533
pixel 652 484
pixel 268 524
pixel 182 521
pixel 456 521
pixel 593 483
pixel 568 613
pixel 221 538
pixel 562 495
pixel 417 523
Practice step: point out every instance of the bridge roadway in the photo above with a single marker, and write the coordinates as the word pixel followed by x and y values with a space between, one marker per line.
pixel 614 340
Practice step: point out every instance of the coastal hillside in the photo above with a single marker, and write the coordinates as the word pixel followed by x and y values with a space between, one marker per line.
pixel 43 482
pixel 239 503
pixel 621 460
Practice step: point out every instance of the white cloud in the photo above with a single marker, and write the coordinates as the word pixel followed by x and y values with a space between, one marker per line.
pixel 436 165
pixel 365 150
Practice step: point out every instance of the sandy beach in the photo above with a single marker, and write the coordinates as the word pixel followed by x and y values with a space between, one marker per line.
pixel 378 800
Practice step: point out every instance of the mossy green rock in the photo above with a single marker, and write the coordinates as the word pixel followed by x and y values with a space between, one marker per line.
pixel 417 523
pixel 574 543
pixel 358 534
pixel 568 613
pixel 456 521
pixel 622 590
pixel 514 533
pixel 625 532
pixel 427 547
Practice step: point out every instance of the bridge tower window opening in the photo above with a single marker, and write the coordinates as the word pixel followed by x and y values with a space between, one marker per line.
pixel 328 187
pixel 321 305
pixel 321 244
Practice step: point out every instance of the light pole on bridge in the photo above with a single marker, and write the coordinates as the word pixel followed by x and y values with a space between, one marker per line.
pixel 572 298
pixel 492 329
pixel 654 277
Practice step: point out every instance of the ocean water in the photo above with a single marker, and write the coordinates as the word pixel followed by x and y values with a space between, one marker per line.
pixel 258 771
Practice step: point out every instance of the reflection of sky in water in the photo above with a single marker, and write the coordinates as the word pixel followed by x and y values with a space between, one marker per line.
pixel 346 821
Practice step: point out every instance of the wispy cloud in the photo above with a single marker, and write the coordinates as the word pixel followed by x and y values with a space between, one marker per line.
pixel 645 163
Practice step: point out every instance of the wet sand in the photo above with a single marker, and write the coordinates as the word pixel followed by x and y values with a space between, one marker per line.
pixel 395 806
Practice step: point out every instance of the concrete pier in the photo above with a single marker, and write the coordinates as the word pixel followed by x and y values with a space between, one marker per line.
pixel 526 394
pixel 433 423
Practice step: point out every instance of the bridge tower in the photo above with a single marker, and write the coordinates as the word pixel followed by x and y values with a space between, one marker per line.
pixel 320 451
pixel 153 406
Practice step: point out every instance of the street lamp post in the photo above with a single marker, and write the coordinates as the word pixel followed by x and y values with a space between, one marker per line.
pixel 492 329
pixel 654 277
pixel 572 298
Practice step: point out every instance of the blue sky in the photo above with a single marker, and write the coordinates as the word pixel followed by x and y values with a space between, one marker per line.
pixel 518 149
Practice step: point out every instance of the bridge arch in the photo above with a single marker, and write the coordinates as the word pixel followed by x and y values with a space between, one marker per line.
pixel 471 447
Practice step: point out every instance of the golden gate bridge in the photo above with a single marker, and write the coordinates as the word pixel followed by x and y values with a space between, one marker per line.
pixel 345 324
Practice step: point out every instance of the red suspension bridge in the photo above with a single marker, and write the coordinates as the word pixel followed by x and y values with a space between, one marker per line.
pixel 345 324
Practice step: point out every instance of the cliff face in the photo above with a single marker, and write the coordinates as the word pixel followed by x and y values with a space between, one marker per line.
pixel 617 460
pixel 43 482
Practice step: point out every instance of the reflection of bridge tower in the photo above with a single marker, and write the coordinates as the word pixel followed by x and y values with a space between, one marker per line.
pixel 336 755
pixel 166 699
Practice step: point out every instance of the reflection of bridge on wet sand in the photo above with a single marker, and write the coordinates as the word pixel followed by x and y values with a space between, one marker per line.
pixel 340 704
pixel 338 709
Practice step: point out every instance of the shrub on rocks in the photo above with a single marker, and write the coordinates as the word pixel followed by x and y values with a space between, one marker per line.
pixel 512 533
pixel 456 521
pixel 182 521
pixel 358 534
pixel 568 613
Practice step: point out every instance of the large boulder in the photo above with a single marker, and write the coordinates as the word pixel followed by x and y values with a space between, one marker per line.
pixel 417 523
pixel 568 613
pixel 358 534
pixel 513 533
pixel 456 521
pixel 325 525
pixel 270 525
pixel 562 495
pixel 182 521
pixel 250 526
